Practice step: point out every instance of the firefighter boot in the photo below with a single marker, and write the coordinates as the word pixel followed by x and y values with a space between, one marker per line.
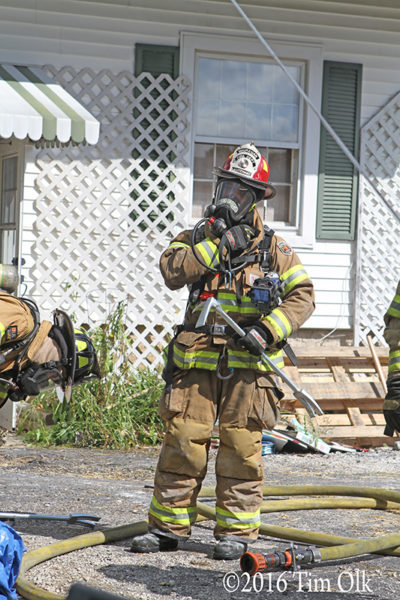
pixel 150 542
pixel 228 549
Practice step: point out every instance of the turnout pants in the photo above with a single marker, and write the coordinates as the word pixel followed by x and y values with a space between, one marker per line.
pixel 244 404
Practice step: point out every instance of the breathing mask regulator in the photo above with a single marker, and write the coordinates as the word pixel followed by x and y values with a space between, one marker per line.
pixel 233 203
pixel 242 183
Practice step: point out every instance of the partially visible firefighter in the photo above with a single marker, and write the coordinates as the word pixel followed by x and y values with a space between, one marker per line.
pixel 391 404
pixel 37 355
pixel 212 375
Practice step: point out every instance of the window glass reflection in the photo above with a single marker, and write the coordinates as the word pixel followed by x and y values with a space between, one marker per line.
pixel 252 99
pixel 202 194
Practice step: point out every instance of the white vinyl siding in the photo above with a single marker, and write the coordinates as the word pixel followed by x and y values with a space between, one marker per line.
pixel 101 34
pixel 331 266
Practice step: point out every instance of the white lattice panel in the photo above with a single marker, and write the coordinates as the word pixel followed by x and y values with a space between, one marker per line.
pixel 106 212
pixel 379 230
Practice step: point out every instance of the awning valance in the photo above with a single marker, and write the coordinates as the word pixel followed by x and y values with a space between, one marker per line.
pixel 34 106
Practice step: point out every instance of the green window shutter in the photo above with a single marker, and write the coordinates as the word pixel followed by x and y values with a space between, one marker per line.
pixel 337 178
pixel 156 60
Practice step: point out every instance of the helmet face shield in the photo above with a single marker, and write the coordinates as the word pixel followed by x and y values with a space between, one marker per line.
pixel 237 196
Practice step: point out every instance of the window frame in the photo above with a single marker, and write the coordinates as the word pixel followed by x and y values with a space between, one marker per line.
pixel 193 44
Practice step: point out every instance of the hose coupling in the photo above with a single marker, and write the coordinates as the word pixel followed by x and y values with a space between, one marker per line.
pixel 294 557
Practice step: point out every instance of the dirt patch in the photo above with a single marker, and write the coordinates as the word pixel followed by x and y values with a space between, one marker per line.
pixel 117 486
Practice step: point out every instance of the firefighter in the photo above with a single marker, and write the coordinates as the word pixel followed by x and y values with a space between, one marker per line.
pixel 35 355
pixel 211 374
pixel 391 404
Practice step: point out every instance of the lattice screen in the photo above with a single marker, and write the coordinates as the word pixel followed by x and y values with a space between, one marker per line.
pixel 379 230
pixel 106 212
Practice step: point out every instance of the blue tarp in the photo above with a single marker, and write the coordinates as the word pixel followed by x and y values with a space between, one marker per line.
pixel 11 550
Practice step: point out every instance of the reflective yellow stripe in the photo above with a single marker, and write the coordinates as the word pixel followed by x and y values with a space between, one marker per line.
pixel 3 390
pixel 82 361
pixel 280 323
pixel 2 330
pixel 241 359
pixel 200 359
pixel 394 308
pixel 241 309
pixel 209 252
pixel 237 359
pixel 167 514
pixel 229 303
pixel 237 520
pixel 394 361
pixel 178 245
pixel 293 277
pixel 80 344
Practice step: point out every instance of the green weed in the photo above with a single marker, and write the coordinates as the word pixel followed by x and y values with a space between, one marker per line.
pixel 119 411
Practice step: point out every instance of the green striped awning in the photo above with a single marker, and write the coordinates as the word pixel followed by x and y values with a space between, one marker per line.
pixel 35 107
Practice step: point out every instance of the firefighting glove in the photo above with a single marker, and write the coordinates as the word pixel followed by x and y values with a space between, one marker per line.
pixel 257 339
pixel 391 406
pixel 236 239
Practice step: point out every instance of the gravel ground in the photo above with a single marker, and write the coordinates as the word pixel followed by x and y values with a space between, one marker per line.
pixel 116 486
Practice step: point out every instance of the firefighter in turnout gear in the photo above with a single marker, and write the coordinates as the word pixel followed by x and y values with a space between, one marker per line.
pixel 35 356
pixel 211 374
pixel 391 405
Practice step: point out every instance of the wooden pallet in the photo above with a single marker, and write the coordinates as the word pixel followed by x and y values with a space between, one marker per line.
pixel 345 383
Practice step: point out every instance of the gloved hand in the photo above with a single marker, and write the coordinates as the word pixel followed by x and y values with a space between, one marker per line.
pixel 257 338
pixel 214 229
pixel 238 238
pixel 391 406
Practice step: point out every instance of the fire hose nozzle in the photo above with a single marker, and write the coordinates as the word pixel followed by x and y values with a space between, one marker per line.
pixel 293 557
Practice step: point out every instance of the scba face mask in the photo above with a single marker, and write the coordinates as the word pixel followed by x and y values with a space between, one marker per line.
pixel 237 198
pixel 233 202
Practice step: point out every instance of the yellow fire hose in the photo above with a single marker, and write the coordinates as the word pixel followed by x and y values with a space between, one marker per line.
pixel 338 546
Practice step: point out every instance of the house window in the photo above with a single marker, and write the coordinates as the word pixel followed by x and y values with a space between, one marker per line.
pixel 8 208
pixel 238 101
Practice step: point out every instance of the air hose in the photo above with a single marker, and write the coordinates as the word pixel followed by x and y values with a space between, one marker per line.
pixel 200 259
pixel 336 547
